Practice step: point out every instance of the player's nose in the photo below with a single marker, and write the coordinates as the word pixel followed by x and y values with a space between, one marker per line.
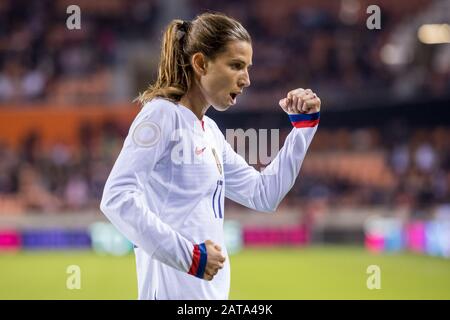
pixel 244 81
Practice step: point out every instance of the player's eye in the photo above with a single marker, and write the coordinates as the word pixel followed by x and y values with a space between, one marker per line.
pixel 237 66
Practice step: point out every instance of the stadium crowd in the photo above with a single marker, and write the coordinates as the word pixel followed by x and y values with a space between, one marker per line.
pixel 326 47
pixel 343 168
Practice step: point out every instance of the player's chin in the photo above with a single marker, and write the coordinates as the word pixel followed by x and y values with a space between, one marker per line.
pixel 222 106
pixel 223 102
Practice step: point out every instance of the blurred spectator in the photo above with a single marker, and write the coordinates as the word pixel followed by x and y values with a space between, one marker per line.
pixel 18 84
pixel 320 44
pixel 33 194
pixel 303 43
pixel 343 168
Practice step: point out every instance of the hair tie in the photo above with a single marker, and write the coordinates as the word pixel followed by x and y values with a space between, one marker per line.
pixel 186 25
pixel 183 29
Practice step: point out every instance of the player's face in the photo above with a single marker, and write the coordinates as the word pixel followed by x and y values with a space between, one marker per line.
pixel 227 75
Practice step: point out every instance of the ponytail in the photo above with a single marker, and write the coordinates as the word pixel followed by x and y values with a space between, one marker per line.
pixel 174 74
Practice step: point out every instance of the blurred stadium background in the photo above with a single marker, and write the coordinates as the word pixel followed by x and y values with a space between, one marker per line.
pixel 374 188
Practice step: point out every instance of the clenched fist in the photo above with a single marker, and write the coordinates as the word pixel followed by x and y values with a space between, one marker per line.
pixel 214 261
pixel 300 101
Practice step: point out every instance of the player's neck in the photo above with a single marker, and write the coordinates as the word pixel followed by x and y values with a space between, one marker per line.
pixel 193 100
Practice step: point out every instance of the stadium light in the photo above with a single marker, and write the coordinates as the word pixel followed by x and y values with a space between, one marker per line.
pixel 434 33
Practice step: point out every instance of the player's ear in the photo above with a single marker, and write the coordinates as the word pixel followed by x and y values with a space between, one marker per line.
pixel 199 63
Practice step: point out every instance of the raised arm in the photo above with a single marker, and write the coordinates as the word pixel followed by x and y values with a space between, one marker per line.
pixel 263 191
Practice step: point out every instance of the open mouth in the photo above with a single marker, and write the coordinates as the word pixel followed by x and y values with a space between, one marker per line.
pixel 234 95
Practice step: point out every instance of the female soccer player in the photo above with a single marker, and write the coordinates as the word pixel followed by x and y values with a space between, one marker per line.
pixel 166 190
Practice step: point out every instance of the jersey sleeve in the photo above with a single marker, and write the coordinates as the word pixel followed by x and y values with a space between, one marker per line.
pixel 123 201
pixel 263 191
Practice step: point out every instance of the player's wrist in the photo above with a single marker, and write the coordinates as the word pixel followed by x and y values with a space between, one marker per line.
pixel 302 120
pixel 199 259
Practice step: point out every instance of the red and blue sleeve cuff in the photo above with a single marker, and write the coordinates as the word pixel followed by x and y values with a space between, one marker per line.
pixel 305 120
pixel 198 261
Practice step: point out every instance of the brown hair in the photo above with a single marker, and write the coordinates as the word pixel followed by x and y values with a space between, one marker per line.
pixel 209 34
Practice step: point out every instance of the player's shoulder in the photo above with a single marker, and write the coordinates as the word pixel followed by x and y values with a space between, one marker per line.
pixel 160 106
pixel 158 112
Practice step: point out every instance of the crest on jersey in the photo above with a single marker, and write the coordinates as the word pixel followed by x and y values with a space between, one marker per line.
pixel 147 134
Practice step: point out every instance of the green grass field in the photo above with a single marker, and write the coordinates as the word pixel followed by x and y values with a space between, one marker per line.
pixel 279 273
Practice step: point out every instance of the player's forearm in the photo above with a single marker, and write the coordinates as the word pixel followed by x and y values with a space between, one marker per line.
pixel 141 226
pixel 277 179
pixel 128 212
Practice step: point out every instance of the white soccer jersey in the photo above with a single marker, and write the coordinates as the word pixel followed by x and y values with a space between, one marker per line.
pixel 166 193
